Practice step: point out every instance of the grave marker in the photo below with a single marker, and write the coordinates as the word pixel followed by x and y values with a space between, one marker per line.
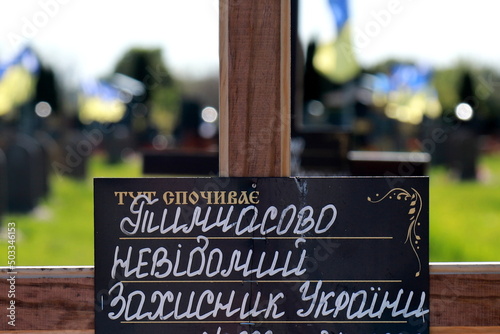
pixel 257 252
pixel 25 174
pixel 261 255
pixel 3 185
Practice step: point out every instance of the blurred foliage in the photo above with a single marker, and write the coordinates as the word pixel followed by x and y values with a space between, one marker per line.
pixel 162 90
pixel 446 82
pixel 450 84
pixel 386 66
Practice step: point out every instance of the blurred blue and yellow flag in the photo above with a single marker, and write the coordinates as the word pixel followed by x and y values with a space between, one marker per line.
pixel 336 59
pixel 407 93
pixel 18 78
pixel 100 102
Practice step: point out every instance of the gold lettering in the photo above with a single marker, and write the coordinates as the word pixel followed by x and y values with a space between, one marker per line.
pixel 168 197
pixel 243 199
pixel 193 197
pixel 254 197
pixel 123 194
pixel 181 197
pixel 120 195
pixel 207 196
pixel 219 197
pixel 231 198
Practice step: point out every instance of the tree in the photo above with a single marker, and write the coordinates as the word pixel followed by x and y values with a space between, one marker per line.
pixel 162 91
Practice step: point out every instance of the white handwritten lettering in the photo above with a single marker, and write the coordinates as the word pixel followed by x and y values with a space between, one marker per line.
pixel 203 260
pixel 353 305
pixel 136 305
pixel 291 220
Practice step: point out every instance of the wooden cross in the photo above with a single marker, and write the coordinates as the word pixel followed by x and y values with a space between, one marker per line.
pixel 255 82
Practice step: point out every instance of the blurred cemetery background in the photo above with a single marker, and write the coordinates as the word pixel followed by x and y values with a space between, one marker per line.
pixel 142 116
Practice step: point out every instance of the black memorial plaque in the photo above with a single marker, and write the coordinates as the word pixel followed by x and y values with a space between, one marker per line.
pixel 262 255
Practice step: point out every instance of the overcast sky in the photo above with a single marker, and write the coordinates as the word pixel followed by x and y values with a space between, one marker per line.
pixel 86 38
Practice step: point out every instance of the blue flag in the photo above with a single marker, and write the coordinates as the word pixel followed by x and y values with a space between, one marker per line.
pixel 340 13
pixel 410 76
pixel 336 60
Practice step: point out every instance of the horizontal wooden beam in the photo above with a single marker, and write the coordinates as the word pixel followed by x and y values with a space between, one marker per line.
pixel 465 330
pixel 465 298
pixel 463 268
pixel 50 298
pixel 88 331
pixel 465 294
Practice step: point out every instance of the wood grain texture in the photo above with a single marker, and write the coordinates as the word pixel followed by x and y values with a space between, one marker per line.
pixel 434 330
pixel 88 331
pixel 50 298
pixel 465 298
pixel 254 49
pixel 465 294
pixel 465 330
pixel 285 86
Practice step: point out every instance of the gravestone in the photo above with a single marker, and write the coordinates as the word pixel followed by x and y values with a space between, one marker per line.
pixel 50 153
pixel 325 152
pixel 118 142
pixel 76 149
pixel 463 152
pixel 3 184
pixel 25 173
pixel 368 163
pixel 180 162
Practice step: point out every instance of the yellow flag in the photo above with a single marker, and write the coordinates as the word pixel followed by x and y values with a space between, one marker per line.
pixel 336 60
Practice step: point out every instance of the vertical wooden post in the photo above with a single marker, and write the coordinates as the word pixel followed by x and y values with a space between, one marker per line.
pixel 254 93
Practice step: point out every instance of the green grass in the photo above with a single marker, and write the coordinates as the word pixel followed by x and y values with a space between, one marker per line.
pixel 61 230
pixel 464 218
